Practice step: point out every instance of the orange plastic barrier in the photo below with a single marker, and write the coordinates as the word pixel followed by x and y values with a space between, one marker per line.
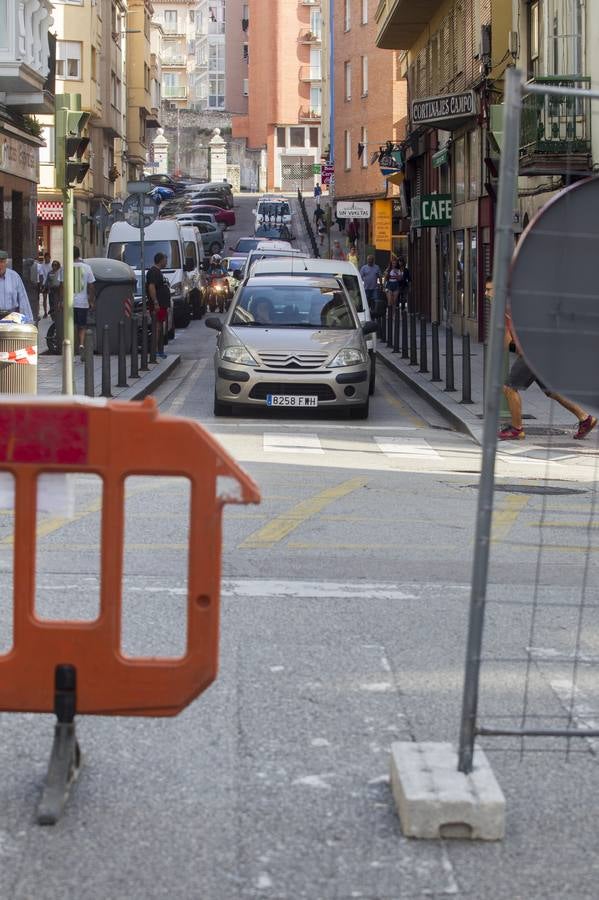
pixel 112 440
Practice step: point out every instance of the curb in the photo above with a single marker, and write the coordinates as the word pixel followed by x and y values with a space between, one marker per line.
pixel 460 423
pixel 151 380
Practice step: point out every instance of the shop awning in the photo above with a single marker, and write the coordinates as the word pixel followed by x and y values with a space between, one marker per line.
pixel 49 210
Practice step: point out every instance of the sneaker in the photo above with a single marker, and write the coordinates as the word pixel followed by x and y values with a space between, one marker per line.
pixel 161 355
pixel 509 433
pixel 584 427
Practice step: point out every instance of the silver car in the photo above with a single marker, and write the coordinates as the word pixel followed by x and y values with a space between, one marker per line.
pixel 291 342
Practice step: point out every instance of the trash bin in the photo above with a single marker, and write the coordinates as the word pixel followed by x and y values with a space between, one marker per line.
pixel 18 358
pixel 114 287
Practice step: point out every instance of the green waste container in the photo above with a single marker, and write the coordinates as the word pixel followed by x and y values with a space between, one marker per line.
pixel 18 359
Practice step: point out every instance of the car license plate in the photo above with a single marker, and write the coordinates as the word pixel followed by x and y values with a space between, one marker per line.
pixel 290 400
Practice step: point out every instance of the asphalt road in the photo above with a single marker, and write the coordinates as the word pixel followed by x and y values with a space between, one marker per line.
pixel 344 614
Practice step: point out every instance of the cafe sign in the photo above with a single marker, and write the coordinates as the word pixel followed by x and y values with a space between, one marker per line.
pixel 447 112
pixel 431 211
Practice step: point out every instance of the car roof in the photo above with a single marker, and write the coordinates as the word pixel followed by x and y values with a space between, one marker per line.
pixel 273 245
pixel 322 266
pixel 291 281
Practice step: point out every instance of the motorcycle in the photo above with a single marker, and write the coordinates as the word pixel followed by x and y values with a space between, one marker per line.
pixel 218 294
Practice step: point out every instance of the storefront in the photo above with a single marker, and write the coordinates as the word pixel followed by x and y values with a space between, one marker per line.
pixel 49 227
pixel 19 175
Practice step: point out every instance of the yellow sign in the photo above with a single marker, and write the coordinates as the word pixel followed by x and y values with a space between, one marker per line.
pixel 383 224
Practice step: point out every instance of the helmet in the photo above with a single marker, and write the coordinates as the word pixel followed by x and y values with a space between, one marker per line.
pixel 216 259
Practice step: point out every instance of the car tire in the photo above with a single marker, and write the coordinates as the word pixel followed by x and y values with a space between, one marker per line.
pixel 52 340
pixel 221 408
pixel 183 317
pixel 372 382
pixel 196 305
pixel 215 248
pixel 359 412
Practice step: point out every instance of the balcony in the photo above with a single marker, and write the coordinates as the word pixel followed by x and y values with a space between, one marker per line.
pixel 309 115
pixel 309 2
pixel 310 73
pixel 556 131
pixel 400 22
pixel 309 37
pixel 174 91
pixel 25 55
pixel 174 61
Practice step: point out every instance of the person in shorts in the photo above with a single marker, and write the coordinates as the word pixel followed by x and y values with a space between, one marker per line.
pixel 83 294
pixel 520 377
pixel 158 292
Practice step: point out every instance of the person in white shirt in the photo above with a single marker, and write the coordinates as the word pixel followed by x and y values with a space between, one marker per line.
pixel 13 296
pixel 43 270
pixel 83 294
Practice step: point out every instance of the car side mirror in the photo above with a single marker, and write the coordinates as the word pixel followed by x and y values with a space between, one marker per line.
pixel 213 322
pixel 369 327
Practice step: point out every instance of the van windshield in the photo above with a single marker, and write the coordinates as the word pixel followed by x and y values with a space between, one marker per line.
pixel 130 252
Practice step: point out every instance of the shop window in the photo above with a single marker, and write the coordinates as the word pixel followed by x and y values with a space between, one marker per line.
pixel 459 273
pixel 314 137
pixel 281 137
pixel 473 274
pixel 474 164
pixel 459 171
pixel 297 137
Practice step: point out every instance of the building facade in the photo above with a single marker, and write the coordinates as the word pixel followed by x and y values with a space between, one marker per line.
pixel 284 92
pixel 177 20
pixel 237 57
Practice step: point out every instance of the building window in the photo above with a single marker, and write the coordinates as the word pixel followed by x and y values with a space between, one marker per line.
pixel 364 141
pixel 170 20
pixel 297 137
pixel 316 23
pixel 474 164
pixel 364 76
pixel 347 70
pixel 459 171
pixel 314 137
pixel 347 135
pixel 473 313
pixel 281 137
pixel 347 19
pixel 192 16
pixel 47 156
pixel 68 60
pixel 246 52
pixel 459 273
pixel 364 12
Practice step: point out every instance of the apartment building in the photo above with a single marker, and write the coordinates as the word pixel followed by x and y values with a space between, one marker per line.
pixel 142 114
pixel 177 20
pixel 285 91
pixel 369 111
pixel 26 89
pixel 237 57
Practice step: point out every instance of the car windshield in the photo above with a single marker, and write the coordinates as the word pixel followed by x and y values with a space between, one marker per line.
pixel 293 306
pixel 272 231
pixel 352 286
pixel 130 252
pixel 244 245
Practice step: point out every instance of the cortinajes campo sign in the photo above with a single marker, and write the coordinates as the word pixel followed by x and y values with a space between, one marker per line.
pixel 448 108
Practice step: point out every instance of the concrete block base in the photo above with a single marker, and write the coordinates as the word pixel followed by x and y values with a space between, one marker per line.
pixel 434 800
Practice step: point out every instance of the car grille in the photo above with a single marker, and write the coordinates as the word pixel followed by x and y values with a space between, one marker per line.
pixel 285 361
pixel 261 390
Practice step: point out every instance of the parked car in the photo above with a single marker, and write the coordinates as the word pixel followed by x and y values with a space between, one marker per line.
pixel 212 237
pixel 244 245
pixel 273 210
pixel 234 266
pixel 211 195
pixel 161 193
pixel 286 257
pixel 166 181
pixel 292 342
pixel 274 232
pixel 209 218
pixel 225 217
pixel 276 266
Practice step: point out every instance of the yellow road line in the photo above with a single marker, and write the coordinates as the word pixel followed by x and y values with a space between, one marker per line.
pixel 282 525
pixel 581 524
pixel 506 516
pixel 403 408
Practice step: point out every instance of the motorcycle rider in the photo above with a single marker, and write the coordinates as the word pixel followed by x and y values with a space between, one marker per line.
pixel 216 273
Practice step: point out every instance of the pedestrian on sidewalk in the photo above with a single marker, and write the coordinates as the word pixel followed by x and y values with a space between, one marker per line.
pixel 371 277
pixel 13 296
pixel 352 256
pixel 158 291
pixel 520 377
pixel 337 251
pixel 83 294
pixel 392 281
pixel 317 192
pixel 43 270
pixel 54 287
pixel 405 280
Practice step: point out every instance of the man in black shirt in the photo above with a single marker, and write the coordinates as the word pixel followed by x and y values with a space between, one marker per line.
pixel 158 291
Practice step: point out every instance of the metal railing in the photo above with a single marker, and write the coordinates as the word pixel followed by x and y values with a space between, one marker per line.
pixel 175 59
pixel 309 37
pixel 556 124
pixel 309 115
pixel 174 91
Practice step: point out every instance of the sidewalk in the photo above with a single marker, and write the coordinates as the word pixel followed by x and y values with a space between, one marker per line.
pixel 541 415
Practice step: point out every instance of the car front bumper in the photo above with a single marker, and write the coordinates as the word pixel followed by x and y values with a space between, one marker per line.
pixel 347 386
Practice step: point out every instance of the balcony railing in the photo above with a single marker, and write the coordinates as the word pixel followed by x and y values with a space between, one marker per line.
pixel 556 130
pixel 174 60
pixel 310 114
pixel 310 73
pixel 24 50
pixel 309 2
pixel 174 91
pixel 309 37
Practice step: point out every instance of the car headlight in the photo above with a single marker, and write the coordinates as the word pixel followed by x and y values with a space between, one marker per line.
pixel 348 357
pixel 238 354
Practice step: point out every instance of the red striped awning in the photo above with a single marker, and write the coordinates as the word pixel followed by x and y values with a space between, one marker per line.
pixel 49 210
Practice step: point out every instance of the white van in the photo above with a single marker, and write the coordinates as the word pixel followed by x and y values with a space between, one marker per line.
pixel 194 250
pixel 162 236
pixel 274 209
pixel 326 267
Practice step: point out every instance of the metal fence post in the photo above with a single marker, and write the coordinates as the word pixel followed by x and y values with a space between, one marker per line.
pixel 88 357
pixel 144 343
pixel 122 379
pixel 106 392
pixel 504 243
pixel 435 349
pixel 404 334
pixel 413 346
pixel 423 347
pixel 134 369
pixel 154 339
pixel 449 375
pixel 396 330
pixel 389 337
pixel 466 370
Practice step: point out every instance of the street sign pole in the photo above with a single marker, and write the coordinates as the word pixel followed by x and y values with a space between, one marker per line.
pixel 142 260
pixel 68 327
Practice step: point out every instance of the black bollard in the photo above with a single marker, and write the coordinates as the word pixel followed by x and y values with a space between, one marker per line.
pixel 396 330
pixel 144 343
pixel 165 333
pixel 122 379
pixel 423 347
pixel 88 358
pixel 449 379
pixel 106 392
pixel 160 331
pixel 154 339
pixel 134 370
pixel 390 312
pixel 466 370
pixel 435 347
pixel 413 347
pixel 404 334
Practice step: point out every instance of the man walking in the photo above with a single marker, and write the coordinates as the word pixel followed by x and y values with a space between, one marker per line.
pixel 158 290
pixel 371 276
pixel 520 377
pixel 83 294
pixel 43 270
pixel 13 296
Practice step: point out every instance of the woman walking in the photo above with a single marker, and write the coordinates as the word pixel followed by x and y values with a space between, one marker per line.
pixel 392 281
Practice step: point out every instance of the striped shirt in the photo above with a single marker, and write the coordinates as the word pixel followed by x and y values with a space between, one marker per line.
pixel 13 295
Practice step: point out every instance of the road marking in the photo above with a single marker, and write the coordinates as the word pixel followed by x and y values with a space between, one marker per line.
pixel 579 525
pixel 299 590
pixel 183 393
pixel 291 443
pixel 400 447
pixel 402 407
pixel 284 524
pixel 505 517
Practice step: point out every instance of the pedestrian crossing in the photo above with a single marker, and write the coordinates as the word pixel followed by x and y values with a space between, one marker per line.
pixel 393 446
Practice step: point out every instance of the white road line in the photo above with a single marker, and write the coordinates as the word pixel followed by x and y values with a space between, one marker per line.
pixel 395 447
pixel 313 589
pixel 292 443
pixel 583 711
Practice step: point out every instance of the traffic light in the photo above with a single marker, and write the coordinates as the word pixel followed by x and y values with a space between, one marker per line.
pixel 70 147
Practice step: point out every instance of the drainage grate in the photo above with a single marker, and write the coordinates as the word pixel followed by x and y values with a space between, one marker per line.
pixel 538 489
